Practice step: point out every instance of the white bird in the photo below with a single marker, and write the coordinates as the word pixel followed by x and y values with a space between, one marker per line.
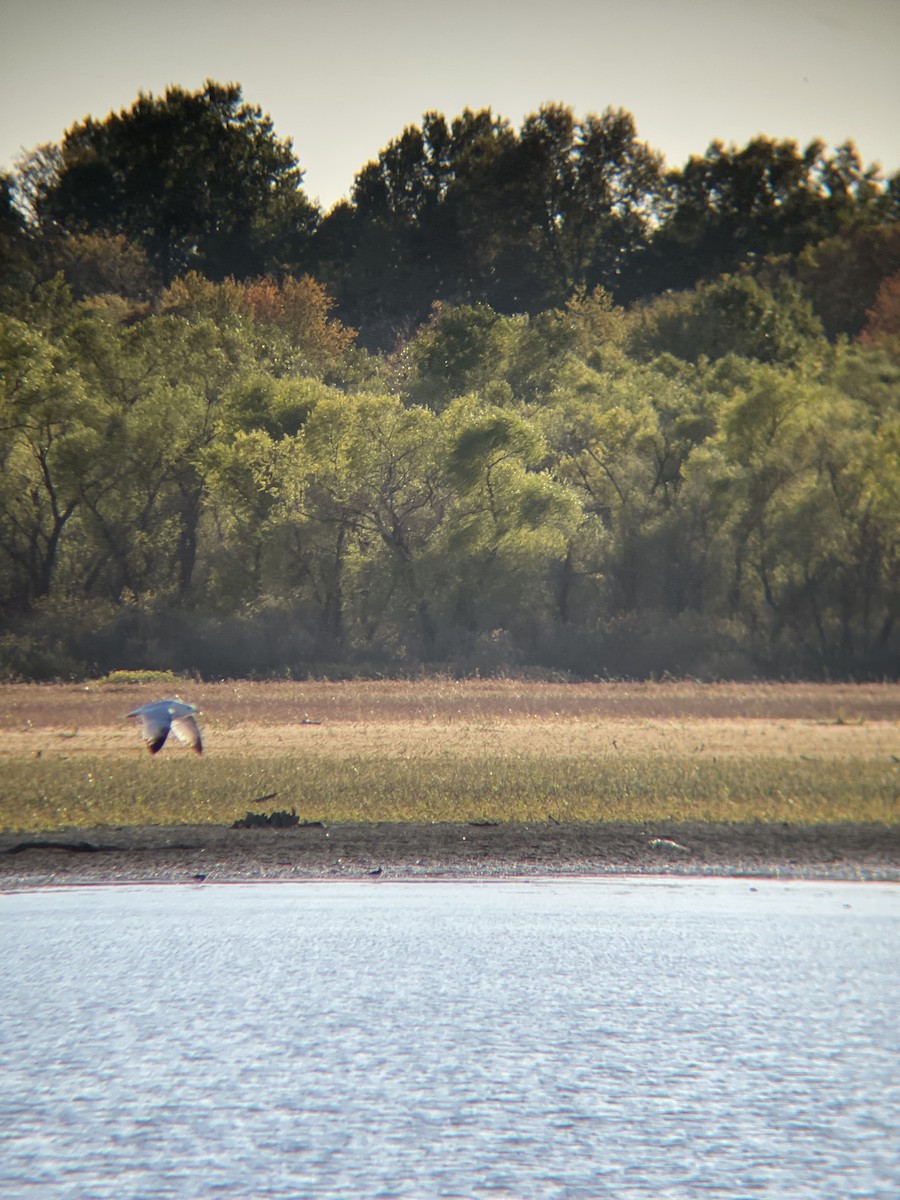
pixel 160 716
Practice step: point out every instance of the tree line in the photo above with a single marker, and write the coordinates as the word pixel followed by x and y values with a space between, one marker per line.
pixel 528 400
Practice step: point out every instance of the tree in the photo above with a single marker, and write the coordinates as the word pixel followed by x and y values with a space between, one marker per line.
pixel 470 212
pixel 471 348
pixel 464 348
pixel 365 483
pixel 740 315
pixel 800 486
pixel 48 431
pixel 621 435
pixel 882 327
pixel 301 311
pixel 100 264
pixel 589 193
pixel 246 558
pixel 842 274
pixel 289 321
pixel 508 529
pixel 738 205
pixel 398 245
pixel 199 180
pixel 17 269
pixel 167 382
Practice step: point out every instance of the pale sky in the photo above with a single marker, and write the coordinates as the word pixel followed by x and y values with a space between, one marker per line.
pixel 341 78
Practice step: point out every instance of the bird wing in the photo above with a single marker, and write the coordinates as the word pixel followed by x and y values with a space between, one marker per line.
pixel 155 730
pixel 185 729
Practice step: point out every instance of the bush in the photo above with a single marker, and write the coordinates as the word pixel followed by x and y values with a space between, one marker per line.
pixel 126 678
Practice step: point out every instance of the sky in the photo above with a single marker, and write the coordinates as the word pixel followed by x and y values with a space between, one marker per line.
pixel 341 78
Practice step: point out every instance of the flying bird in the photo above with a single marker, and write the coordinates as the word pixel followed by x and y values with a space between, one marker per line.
pixel 160 716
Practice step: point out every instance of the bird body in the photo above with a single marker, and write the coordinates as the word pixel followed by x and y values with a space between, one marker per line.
pixel 176 715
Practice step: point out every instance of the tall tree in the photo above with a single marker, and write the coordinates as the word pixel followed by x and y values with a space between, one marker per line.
pixel 398 244
pixel 470 211
pixel 49 426
pixel 198 179
pixel 586 193
pixel 508 530
pixel 799 482
pixel 365 488
pixel 167 383
pixel 738 204
pixel 16 266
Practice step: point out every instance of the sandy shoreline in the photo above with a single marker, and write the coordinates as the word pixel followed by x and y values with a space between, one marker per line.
pixel 213 853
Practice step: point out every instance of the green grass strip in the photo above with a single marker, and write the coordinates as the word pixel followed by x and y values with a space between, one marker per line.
pixel 56 793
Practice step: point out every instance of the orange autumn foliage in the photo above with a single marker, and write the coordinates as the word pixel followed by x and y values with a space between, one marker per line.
pixel 300 308
pixel 882 327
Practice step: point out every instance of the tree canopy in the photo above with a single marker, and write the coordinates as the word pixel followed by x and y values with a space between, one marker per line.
pixel 198 180
pixel 527 400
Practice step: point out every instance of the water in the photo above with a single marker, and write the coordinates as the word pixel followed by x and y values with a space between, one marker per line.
pixel 582 1039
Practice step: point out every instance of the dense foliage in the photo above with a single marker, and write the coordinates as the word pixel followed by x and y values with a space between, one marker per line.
pixel 527 400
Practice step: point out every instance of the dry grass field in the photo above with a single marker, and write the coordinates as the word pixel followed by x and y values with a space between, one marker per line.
pixel 85 707
pixel 439 778
pixel 443 750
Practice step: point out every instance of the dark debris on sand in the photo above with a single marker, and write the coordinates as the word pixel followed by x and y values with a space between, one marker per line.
pixel 263 848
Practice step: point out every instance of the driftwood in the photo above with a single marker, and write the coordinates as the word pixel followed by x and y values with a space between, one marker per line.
pixel 75 847
pixel 91 848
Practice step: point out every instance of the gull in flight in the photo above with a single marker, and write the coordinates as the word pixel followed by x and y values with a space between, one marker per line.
pixel 160 716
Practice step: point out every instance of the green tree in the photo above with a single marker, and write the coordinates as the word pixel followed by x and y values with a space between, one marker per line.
pixel 48 432
pixel 462 349
pixel 247 560
pixel 736 205
pixel 842 274
pixel 739 315
pixel 198 179
pixel 509 528
pixel 506 360
pixel 363 486
pixel 799 484
pixel 168 382
pixel 470 212
pixel 621 435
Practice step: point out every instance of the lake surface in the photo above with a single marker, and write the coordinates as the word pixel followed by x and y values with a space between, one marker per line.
pixel 621 1038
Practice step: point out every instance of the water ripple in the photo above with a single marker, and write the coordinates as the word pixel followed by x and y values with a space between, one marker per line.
pixel 560 1041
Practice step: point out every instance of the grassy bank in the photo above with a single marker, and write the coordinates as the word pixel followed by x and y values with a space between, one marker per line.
pixel 58 793
pixel 457 752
